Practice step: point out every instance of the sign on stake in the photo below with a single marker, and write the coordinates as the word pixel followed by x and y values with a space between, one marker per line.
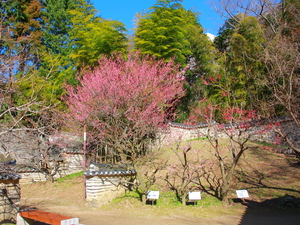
pixel 152 196
pixel 242 194
pixel 194 196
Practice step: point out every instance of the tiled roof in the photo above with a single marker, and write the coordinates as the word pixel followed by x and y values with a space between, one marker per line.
pixel 24 169
pixel 236 125
pixel 10 170
pixel 6 171
pixel 186 126
pixel 98 169
pixel 9 176
pixel 73 151
pixel 110 173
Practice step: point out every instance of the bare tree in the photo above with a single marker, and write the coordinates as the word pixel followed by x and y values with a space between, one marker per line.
pixel 148 171
pixel 236 133
pixel 33 150
pixel 266 10
pixel 182 176
pixel 27 125
pixel 282 61
pixel 26 122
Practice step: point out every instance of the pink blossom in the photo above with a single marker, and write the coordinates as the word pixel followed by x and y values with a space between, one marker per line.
pixel 139 92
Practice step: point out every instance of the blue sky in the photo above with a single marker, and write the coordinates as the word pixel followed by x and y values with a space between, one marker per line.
pixel 125 10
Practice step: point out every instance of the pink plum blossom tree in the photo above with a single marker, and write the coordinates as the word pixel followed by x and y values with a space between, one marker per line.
pixel 123 103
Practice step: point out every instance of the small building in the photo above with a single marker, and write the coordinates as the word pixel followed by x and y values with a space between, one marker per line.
pixel 104 182
pixel 10 196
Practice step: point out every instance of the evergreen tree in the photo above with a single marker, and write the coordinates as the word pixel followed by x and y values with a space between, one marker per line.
pixel 56 67
pixel 22 21
pixel 168 31
pixel 73 37
pixel 161 33
pixel 6 42
pixel 245 61
pixel 241 68
pixel 58 25
pixel 93 36
pixel 225 33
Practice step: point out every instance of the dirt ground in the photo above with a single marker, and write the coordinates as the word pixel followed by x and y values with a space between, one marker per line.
pixel 154 215
pixel 117 217
pixel 109 218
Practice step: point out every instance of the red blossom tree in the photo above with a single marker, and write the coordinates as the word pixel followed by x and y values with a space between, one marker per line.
pixel 123 103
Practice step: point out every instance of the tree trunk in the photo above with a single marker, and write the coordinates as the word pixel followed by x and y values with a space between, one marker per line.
pixel 183 199
pixel 224 192
pixel 227 177
pixel 144 198
pixel 49 177
pixel 142 186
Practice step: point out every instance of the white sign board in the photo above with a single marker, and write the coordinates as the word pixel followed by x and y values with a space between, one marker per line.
pixel 242 194
pixel 72 221
pixel 153 195
pixel 194 195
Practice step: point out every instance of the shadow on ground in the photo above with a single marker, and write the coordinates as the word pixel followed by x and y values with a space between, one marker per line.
pixel 277 211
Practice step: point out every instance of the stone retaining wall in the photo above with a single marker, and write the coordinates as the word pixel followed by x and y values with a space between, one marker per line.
pixel 259 131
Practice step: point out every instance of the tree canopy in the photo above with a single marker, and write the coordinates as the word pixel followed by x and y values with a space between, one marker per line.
pixel 93 36
pixel 169 31
pixel 124 101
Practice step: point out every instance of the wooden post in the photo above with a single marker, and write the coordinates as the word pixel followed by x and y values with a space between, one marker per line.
pixel 84 160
